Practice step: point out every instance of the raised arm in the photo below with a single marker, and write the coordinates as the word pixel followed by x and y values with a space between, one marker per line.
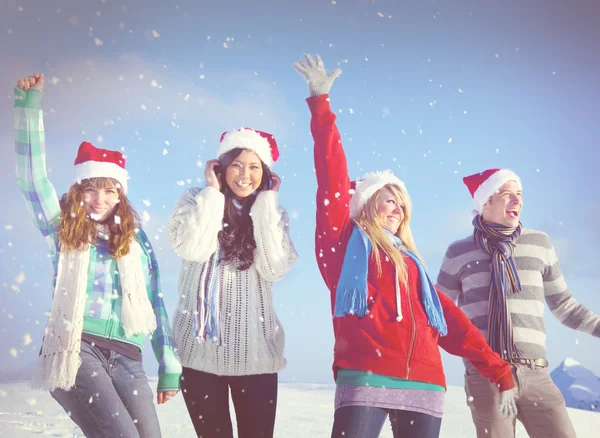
pixel 275 252
pixel 30 147
pixel 333 182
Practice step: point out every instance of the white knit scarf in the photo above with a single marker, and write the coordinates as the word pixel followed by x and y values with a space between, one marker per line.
pixel 59 359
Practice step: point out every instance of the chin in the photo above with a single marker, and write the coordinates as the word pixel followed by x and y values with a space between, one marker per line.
pixel 244 194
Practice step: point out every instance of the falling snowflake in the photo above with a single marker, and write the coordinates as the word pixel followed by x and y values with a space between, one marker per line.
pixel 27 339
pixel 20 278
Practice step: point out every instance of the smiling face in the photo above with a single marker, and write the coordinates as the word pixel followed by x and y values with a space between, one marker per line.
pixel 244 174
pixel 390 210
pixel 100 202
pixel 504 207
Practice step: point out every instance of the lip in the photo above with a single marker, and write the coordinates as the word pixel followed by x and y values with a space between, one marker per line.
pixel 242 185
pixel 513 213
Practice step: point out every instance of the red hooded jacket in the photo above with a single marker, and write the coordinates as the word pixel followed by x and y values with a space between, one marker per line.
pixel 377 342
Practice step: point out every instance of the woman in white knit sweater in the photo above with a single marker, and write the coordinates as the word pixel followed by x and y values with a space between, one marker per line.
pixel 235 243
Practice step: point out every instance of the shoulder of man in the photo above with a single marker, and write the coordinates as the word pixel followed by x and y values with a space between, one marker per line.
pixel 460 247
pixel 529 236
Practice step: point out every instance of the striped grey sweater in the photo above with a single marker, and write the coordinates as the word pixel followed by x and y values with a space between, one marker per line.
pixel 465 277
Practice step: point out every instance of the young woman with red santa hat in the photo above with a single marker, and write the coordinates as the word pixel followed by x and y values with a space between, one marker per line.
pixel 107 296
pixel 388 317
pixel 234 239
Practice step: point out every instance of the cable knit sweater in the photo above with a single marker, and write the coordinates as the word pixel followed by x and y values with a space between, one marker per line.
pixel 252 337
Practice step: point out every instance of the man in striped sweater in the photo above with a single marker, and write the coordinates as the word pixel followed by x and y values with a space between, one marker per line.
pixel 500 277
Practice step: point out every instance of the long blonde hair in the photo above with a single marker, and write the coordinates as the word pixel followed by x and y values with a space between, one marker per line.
pixel 77 230
pixel 371 224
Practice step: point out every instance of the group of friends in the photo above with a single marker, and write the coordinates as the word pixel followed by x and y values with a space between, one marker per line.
pixel 389 316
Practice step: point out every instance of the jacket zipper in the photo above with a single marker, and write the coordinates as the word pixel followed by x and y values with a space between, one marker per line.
pixel 413 335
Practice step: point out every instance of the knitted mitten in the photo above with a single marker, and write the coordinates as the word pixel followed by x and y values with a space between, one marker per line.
pixel 319 82
pixel 508 404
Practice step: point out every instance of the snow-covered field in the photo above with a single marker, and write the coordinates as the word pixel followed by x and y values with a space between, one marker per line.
pixel 304 410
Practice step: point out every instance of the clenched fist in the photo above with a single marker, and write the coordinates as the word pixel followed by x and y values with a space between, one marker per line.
pixel 36 81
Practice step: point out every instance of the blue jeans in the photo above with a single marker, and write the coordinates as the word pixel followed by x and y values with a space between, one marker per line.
pixel 111 397
pixel 367 422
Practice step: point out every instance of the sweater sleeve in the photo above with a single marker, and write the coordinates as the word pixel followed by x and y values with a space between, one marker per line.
pixel 194 225
pixel 562 303
pixel 465 340
pixel 275 252
pixel 448 281
pixel 32 177
pixel 163 344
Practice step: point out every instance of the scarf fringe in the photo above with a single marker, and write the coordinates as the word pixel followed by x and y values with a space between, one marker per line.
pixel 350 301
pixel 137 315
pixel 56 371
pixel 59 359
pixel 436 320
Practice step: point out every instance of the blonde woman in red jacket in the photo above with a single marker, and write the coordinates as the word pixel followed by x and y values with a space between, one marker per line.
pixel 388 317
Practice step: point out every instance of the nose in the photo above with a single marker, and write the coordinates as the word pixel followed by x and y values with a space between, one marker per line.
pixel 244 172
pixel 99 197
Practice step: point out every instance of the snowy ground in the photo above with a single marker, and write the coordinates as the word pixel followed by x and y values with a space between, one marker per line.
pixel 304 410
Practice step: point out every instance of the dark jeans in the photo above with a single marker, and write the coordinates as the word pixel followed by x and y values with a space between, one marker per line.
pixel 111 397
pixel 207 399
pixel 367 422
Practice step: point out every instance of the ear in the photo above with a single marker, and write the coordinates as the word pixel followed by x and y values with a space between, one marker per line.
pixel 486 208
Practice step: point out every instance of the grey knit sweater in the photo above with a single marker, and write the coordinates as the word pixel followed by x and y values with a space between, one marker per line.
pixel 465 277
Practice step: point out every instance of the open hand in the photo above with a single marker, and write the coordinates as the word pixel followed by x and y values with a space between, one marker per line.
pixel 210 175
pixel 36 81
pixel 275 181
pixel 319 82
pixel 508 403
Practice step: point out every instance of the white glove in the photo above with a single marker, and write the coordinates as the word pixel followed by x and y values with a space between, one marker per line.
pixel 508 404
pixel 319 82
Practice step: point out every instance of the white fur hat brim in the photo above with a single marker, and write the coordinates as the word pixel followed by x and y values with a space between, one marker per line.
pixel 101 169
pixel 491 185
pixel 368 185
pixel 247 139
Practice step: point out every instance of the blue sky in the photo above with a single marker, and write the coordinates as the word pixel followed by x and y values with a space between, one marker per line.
pixel 433 90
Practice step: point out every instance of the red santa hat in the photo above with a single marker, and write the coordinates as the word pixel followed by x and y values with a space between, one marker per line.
pixel 483 185
pixel 93 162
pixel 260 142
pixel 367 186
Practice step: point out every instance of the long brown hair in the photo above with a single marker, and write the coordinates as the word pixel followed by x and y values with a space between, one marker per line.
pixel 237 236
pixel 77 230
pixel 369 221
